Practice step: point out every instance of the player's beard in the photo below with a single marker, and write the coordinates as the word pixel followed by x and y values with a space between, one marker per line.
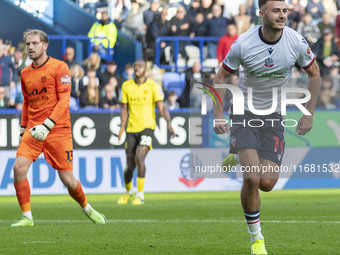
pixel 36 55
pixel 273 26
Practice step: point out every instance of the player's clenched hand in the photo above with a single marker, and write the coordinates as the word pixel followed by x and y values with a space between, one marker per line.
pixel 121 132
pixel 172 131
pixel 40 132
pixel 304 125
pixel 22 131
pixel 221 125
pixel 221 128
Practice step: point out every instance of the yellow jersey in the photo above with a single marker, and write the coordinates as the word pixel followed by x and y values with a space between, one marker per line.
pixel 141 101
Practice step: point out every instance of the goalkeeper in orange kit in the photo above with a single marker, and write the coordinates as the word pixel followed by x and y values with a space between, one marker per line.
pixel 46 126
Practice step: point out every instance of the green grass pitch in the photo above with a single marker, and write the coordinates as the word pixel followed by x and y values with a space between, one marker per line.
pixel 293 222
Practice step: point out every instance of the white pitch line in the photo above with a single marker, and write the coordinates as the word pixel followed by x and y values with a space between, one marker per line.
pixel 34 242
pixel 184 221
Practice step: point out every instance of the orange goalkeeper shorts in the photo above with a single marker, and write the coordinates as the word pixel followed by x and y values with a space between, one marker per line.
pixel 57 148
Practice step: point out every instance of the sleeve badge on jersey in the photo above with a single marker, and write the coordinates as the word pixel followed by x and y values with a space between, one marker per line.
pixel 65 79
pixel 308 51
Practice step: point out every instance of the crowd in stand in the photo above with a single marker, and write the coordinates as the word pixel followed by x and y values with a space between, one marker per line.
pixel 98 85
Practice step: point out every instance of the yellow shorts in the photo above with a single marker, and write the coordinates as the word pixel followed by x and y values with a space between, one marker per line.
pixel 57 148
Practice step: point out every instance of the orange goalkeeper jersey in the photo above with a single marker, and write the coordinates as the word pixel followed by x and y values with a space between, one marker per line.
pixel 46 89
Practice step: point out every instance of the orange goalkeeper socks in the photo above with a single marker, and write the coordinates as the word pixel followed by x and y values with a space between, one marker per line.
pixel 23 193
pixel 78 195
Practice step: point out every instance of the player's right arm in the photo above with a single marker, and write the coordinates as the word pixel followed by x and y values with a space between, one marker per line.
pixel 229 66
pixel 124 111
pixel 123 120
pixel 24 112
pixel 220 78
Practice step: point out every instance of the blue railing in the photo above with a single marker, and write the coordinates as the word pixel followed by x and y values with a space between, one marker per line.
pixel 201 40
pixel 64 38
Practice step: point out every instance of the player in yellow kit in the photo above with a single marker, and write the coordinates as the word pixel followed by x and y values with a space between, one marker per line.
pixel 139 97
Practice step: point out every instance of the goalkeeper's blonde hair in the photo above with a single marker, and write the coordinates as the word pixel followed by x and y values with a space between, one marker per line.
pixel 42 35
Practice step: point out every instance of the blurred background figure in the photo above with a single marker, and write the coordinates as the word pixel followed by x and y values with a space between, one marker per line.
pixel 93 62
pixel 4 100
pixel 69 57
pixel 77 74
pixel 129 72
pixel 326 52
pixel 242 20
pixel 118 10
pixel 8 74
pixel 133 25
pixel 225 42
pixel 104 36
pixel 316 9
pixel 171 101
pixel 308 29
pixel 89 95
pixel 295 13
pixel 108 101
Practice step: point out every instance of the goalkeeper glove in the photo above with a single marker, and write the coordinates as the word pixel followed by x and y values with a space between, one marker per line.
pixel 40 132
pixel 22 131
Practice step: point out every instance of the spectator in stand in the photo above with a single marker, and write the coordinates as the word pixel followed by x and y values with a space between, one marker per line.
pixel 149 14
pixel 181 25
pixel 89 96
pixel 295 13
pixel 326 52
pixel 8 74
pixel 104 29
pixel 330 8
pixel 242 20
pixel 206 8
pixel 316 9
pixel 252 10
pixel 77 74
pixel 7 47
pixel 337 30
pixel 198 27
pixel 225 42
pixel 194 8
pixel 118 10
pixel 19 62
pixel 325 23
pixel 189 97
pixel 111 70
pixel 129 72
pixel 216 26
pixel 108 101
pixel 91 73
pixel 171 101
pixel 231 8
pixel 92 62
pixel 117 91
pixel 69 57
pixel 327 94
pixel 133 25
pixel 158 27
pixel 4 100
pixel 308 30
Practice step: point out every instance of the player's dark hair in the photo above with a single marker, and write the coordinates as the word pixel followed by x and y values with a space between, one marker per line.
pixel 42 35
pixel 263 2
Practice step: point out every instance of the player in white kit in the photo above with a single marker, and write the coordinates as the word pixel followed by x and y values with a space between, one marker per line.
pixel 266 55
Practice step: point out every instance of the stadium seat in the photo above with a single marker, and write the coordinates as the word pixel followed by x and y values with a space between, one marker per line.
pixel 210 63
pixel 173 81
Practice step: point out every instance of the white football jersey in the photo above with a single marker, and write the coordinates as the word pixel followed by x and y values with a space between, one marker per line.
pixel 266 65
